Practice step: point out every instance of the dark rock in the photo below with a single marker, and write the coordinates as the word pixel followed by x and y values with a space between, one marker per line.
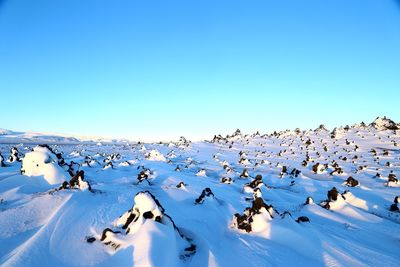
pixel 148 215
pixel 244 174
pixel 394 207
pixel 352 182
pixel 302 219
pixel 392 178
pixel 180 185
pixel 309 201
pixel 333 194
pixel 90 239
pixel 205 193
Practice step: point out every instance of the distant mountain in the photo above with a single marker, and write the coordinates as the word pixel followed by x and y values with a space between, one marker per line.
pixel 9 136
pixel 13 137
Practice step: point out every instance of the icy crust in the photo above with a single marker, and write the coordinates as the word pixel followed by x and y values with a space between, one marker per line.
pixel 43 161
pixel 145 224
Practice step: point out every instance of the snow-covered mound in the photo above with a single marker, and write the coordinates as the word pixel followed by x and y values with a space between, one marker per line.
pixel 43 161
pixel 146 227
pixel 255 218
pixel 155 155
pixel 384 124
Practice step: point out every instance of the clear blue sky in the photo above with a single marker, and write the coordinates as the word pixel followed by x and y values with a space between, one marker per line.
pixel 161 69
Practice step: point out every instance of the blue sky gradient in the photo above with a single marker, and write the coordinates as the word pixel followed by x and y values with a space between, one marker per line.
pixel 152 70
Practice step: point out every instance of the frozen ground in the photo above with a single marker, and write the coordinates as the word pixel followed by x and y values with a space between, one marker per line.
pixel 101 219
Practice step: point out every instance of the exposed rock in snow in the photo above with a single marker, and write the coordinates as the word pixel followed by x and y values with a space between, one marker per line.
pixel 155 155
pixel 256 183
pixel 352 182
pixel 77 182
pixel 335 200
pixel 144 175
pixel 321 128
pixel 183 142
pixel 14 155
pixel 72 167
pixel 244 174
pixel 226 180
pixel 181 185
pixel 206 193
pixel 302 219
pixel 109 165
pixel 201 173
pixel 384 124
pixel 256 218
pixel 318 168
pixel 244 161
pixel 309 201
pixel 395 206
pixel 2 161
pixel 149 230
pixel 392 180
pixel 283 171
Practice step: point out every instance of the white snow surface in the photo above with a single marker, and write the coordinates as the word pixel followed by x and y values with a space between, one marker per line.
pixel 42 162
pixel 155 155
pixel 43 227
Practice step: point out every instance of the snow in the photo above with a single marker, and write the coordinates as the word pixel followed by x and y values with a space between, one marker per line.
pixel 41 161
pixel 155 155
pixel 43 225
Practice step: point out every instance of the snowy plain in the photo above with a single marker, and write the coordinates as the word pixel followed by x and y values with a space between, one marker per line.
pixel 267 202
